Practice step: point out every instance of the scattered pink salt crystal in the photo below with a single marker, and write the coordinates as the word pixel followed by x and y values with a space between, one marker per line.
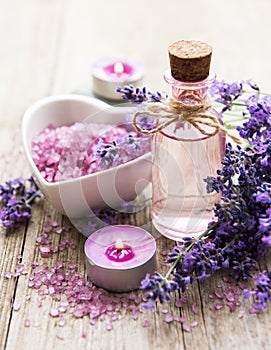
pixel 36 324
pixel 218 306
pixel 227 279
pixel 115 317
pixel 181 302
pixel 102 318
pixel 135 317
pixel 145 323
pixel 109 327
pixel 27 323
pixel 169 318
pixel 53 223
pixel 8 274
pixel 59 230
pixel 45 251
pixel 194 324
pixel 78 313
pixel 219 294
pixel 61 322
pixel 186 328
pixel 232 306
pixel 84 335
pixel 62 309
pixel 253 311
pixel 241 313
pixel 60 336
pixel 230 296
pixel 27 297
pixel 195 309
pixel 16 306
pixel 54 312
pixel 164 311
pixel 180 319
pixel 164 252
pixel 138 300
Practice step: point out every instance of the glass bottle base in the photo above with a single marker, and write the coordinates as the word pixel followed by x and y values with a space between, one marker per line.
pixel 176 228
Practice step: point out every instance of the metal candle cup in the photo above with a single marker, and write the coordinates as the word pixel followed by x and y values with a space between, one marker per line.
pixel 120 267
pixel 110 73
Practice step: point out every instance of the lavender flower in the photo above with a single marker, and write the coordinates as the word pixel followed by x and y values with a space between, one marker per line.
pixel 16 198
pixel 122 150
pixel 228 93
pixel 137 95
pixel 257 128
pixel 262 291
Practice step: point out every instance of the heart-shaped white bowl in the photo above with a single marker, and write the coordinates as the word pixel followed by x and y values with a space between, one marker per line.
pixel 107 188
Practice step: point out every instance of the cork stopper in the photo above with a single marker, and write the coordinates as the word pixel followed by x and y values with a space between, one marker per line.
pixel 190 60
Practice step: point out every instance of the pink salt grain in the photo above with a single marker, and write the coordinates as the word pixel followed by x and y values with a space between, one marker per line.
pixel 186 328
pixel 27 297
pixel 194 324
pixel 45 251
pixel 218 306
pixel 219 294
pixel 180 302
pixel 195 309
pixel 241 313
pixel 135 317
pixel 180 319
pixel 164 252
pixel 54 312
pixel 16 306
pixel 61 322
pixel 60 336
pixel 8 274
pixel 232 306
pixel 169 318
pixel 145 323
pixel 27 323
pixel 109 327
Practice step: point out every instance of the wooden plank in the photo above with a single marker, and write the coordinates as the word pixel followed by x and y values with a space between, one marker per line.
pixel 50 51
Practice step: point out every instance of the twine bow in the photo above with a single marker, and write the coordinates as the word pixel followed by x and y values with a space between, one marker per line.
pixel 177 111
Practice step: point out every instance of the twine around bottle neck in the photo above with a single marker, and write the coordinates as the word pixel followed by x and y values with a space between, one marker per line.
pixel 173 111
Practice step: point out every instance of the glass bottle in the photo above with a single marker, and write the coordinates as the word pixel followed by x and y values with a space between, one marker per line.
pixel 182 158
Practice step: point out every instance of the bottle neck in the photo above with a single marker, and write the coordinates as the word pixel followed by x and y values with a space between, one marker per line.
pixel 189 92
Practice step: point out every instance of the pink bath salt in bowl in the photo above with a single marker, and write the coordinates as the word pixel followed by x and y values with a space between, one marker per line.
pixel 66 152
pixel 62 137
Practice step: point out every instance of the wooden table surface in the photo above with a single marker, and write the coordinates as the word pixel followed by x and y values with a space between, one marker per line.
pixel 47 47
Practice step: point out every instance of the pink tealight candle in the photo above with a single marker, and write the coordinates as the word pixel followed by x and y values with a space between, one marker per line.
pixel 119 257
pixel 110 73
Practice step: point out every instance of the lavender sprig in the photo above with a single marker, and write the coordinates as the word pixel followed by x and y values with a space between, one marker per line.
pixel 121 150
pixel 262 291
pixel 16 196
pixel 228 94
pixel 137 95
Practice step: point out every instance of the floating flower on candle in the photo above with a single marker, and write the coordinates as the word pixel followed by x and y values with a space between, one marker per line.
pixel 119 251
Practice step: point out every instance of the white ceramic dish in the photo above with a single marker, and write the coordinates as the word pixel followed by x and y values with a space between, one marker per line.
pixel 108 188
